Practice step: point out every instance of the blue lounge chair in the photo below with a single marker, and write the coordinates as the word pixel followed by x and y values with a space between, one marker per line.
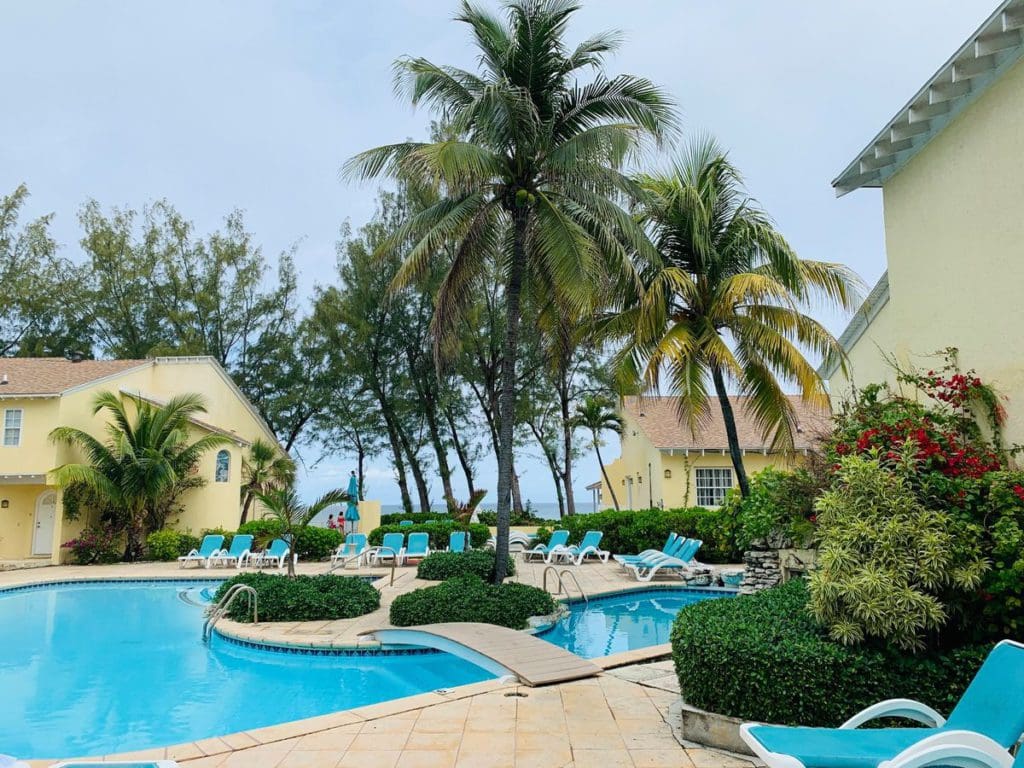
pixel 277 555
pixel 457 541
pixel 211 546
pixel 987 721
pixel 237 555
pixel 392 547
pixel 417 547
pixel 355 544
pixel 404 523
pixel 677 564
pixel 589 547
pixel 556 543
pixel 672 543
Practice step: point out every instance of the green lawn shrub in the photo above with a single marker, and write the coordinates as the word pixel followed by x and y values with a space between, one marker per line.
pixel 304 598
pixel 167 545
pixel 441 566
pixel 629 531
pixel 394 518
pixel 470 599
pixel 314 543
pixel 763 657
pixel 490 517
pixel 439 533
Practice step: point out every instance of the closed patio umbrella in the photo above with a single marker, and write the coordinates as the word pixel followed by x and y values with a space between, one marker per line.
pixel 352 512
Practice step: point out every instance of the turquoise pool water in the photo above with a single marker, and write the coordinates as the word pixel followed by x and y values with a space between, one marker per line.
pixel 623 622
pixel 91 669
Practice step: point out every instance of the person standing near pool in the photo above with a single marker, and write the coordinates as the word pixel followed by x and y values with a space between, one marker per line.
pixel 330 522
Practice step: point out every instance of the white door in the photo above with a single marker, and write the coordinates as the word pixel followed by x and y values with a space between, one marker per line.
pixel 46 517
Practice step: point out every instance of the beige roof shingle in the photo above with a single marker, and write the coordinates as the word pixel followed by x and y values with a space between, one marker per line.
pixel 37 376
pixel 659 419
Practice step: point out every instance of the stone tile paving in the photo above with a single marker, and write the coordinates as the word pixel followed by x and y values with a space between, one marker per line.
pixel 603 722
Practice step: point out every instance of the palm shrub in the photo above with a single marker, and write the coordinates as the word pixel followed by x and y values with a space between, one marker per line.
pixel 284 507
pixel 145 460
pixel 265 467
pixel 885 560
pixel 724 301
pixel 529 167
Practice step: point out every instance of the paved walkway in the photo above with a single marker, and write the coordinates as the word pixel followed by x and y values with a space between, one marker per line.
pixel 532 660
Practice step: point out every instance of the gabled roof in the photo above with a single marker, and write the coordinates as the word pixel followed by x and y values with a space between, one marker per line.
pixel 996 46
pixel 658 417
pixel 53 376
pixel 859 323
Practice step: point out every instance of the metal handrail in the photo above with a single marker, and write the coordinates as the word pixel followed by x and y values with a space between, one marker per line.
pixel 222 606
pixel 346 560
pixel 394 561
pixel 567 572
pixel 552 569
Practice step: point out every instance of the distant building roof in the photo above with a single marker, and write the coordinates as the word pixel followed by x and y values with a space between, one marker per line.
pixel 658 417
pixel 995 46
pixel 52 376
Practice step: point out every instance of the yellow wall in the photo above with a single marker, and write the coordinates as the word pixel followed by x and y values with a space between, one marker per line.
pixel 214 505
pixel 954 230
pixel 645 465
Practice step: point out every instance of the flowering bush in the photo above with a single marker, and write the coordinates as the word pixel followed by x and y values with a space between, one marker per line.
pixel 96 545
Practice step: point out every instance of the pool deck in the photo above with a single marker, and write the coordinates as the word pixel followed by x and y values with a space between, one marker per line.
pixel 626 716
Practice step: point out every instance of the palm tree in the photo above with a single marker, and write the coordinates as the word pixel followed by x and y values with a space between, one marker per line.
pixel 725 300
pixel 528 167
pixel 142 462
pixel 284 506
pixel 597 414
pixel 265 467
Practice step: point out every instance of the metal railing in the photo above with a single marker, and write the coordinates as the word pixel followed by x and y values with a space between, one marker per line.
pixel 221 609
pixel 561 584
pixel 341 563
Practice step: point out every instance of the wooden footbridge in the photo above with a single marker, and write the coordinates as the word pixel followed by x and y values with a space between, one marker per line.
pixel 500 650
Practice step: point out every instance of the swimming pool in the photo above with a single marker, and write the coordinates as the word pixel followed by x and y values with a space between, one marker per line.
pixel 98 668
pixel 623 622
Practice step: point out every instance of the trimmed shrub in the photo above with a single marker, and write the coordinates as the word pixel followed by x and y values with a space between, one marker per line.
pixel 490 517
pixel 441 566
pixel 471 599
pixel 314 543
pixel 167 544
pixel 304 598
pixel 394 518
pixel 629 531
pixel 439 533
pixel 762 657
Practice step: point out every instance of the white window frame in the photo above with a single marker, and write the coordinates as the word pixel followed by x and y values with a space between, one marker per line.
pixel 710 484
pixel 216 466
pixel 17 428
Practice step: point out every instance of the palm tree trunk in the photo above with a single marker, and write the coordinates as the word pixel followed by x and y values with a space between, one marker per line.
pixel 507 400
pixel 570 500
pixel 245 508
pixel 604 474
pixel 730 430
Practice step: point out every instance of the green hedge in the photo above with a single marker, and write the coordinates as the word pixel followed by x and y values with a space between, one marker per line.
pixel 441 566
pixel 490 517
pixel 314 543
pixel 439 533
pixel 470 599
pixel 304 598
pixel 628 531
pixel 762 657
pixel 394 518
pixel 168 545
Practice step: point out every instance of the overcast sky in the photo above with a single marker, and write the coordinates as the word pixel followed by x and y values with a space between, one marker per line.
pixel 255 105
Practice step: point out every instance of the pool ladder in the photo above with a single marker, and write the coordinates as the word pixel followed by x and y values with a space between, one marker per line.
pixel 225 602
pixel 559 577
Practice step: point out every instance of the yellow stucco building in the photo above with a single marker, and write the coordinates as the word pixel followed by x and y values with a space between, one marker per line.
pixel 951 168
pixel 39 394
pixel 663 464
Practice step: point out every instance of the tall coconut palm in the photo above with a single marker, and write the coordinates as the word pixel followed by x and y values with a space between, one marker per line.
pixel 264 468
pixel 144 458
pixel 284 506
pixel 528 169
pixel 725 302
pixel 597 414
